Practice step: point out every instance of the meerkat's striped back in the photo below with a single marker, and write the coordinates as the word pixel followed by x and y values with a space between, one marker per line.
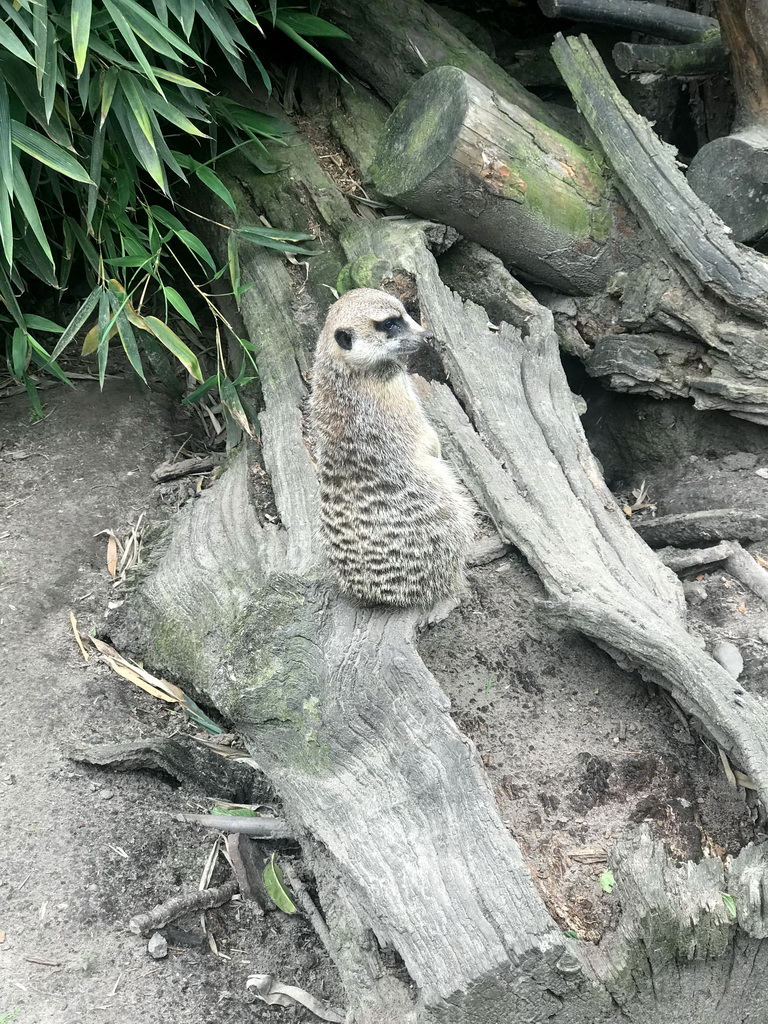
pixel 396 522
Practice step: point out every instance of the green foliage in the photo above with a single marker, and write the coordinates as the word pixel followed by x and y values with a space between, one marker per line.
pixel 730 903
pixel 607 881
pixel 272 877
pixel 105 114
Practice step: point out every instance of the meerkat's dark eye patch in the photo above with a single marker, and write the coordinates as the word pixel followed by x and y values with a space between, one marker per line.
pixel 392 323
pixel 343 339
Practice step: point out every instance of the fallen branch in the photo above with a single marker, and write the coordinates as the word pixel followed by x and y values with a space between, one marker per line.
pixel 256 828
pixel 668 22
pixel 178 906
pixel 698 59
pixel 743 566
pixel 708 526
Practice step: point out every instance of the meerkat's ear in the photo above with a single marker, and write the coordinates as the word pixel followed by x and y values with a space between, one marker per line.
pixel 343 339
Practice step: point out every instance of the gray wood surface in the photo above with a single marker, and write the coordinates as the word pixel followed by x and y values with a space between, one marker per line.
pixel 388 798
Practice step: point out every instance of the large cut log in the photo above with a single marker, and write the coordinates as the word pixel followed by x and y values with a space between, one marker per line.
pixel 393 44
pixel 456 152
pixel 730 173
pixel 706 293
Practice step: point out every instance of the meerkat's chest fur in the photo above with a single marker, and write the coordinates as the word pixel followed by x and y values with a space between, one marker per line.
pixel 396 522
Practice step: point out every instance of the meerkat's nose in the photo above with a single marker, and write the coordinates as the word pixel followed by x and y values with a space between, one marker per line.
pixel 428 335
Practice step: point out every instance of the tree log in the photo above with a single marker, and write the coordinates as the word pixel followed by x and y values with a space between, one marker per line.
pixel 701 285
pixel 702 58
pixel 730 173
pixel 455 152
pixel 635 15
pixel 392 45
pixel 334 702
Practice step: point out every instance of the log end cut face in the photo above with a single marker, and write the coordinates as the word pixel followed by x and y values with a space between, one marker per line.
pixel 422 131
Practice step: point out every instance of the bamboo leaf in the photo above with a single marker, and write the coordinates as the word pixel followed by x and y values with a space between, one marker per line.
pixel 212 181
pixel 124 329
pixel 34 397
pixel 105 330
pixel 145 153
pixel 300 41
pixel 6 162
pixel 283 241
pixel 203 389
pixel 80 21
pixel 180 80
pixel 175 345
pixel 8 297
pixel 245 10
pixel 40 35
pixel 42 323
pixel 47 152
pixel 132 42
pixel 175 116
pixel 134 94
pixel 6 226
pixel 44 361
pixel 11 42
pixel 272 877
pixel 76 323
pixel 157 35
pixel 109 83
pixel 231 402
pixel 19 353
pixel 51 73
pixel 180 305
pixel 97 158
pixel 28 208
pixel 309 25
pixel 233 262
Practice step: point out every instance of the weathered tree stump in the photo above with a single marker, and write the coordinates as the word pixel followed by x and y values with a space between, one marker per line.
pixel 455 152
pixel 334 702
pixel 730 174
pixel 691 321
pixel 386 796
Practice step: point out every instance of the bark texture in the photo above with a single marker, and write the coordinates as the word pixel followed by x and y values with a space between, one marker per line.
pixel 335 704
pixel 702 291
pixel 730 173
pixel 457 153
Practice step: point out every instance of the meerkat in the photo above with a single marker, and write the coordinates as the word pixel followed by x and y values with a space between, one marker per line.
pixel 395 520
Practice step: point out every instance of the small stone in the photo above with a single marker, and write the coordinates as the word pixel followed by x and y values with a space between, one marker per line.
pixel 157 946
pixel 729 656
pixel 762 472
pixel 106 794
pixel 739 460
pixel 695 592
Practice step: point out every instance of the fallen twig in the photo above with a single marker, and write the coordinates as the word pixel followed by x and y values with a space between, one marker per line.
pixel 307 904
pixel 258 828
pixel 178 906
pixel 743 566
pixel 175 470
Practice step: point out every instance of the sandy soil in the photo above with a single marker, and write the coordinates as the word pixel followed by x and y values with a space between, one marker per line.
pixel 578 751
pixel 82 850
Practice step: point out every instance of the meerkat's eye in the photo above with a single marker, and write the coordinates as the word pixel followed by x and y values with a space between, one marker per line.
pixel 389 324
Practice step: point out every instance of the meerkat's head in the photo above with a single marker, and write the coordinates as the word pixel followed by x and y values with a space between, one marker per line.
pixel 369 331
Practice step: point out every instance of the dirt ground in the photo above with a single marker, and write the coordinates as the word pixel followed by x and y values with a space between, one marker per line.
pixel 82 849
pixel 578 751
